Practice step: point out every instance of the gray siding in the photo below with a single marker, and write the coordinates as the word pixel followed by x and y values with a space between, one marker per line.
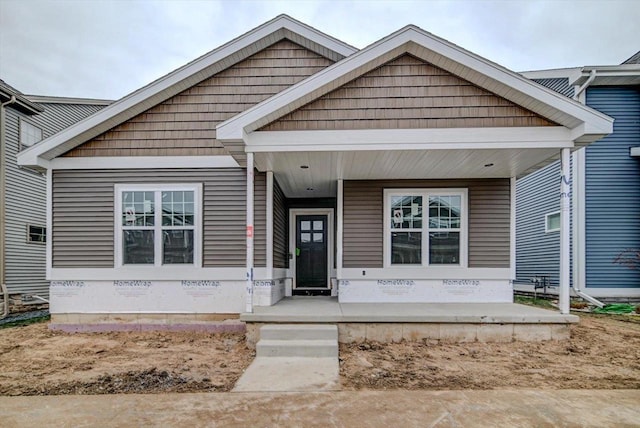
pixel 280 228
pixel 537 252
pixel 83 224
pixel 25 197
pixel 613 189
pixel 558 84
pixel 489 208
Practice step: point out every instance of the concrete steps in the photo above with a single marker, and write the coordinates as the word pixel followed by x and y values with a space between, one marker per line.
pixel 298 340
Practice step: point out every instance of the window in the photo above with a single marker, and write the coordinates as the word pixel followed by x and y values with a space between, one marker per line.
pixel 552 222
pixel 158 226
pixel 36 234
pixel 425 227
pixel 29 134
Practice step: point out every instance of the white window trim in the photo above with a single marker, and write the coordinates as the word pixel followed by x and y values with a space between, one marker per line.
pixel 425 193
pixel 546 222
pixel 197 235
pixel 21 125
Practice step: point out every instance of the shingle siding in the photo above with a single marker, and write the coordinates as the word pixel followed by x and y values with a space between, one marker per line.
pixel 613 189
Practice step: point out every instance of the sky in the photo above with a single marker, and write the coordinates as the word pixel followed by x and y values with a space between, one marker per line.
pixel 107 49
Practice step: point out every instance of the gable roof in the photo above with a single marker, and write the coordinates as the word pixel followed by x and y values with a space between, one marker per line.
pixel 279 28
pixel 588 123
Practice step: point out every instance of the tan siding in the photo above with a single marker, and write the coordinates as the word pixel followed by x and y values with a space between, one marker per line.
pixel 280 228
pixel 185 124
pixel 83 223
pixel 488 220
pixel 407 93
pixel 260 219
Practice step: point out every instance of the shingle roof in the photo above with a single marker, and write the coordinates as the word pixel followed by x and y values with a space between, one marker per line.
pixel 635 59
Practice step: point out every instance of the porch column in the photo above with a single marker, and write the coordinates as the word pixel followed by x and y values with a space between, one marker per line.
pixel 339 215
pixel 249 285
pixel 565 194
pixel 270 224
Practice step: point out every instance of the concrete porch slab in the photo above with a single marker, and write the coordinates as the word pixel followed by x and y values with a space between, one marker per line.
pixel 320 309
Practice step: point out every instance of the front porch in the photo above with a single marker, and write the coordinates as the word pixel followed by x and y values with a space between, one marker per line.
pixel 393 322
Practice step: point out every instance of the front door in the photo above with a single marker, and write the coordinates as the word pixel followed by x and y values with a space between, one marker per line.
pixel 311 252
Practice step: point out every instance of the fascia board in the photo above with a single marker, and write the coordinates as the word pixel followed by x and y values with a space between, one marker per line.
pixel 409 139
pixel 319 84
pixel 115 113
pixel 554 73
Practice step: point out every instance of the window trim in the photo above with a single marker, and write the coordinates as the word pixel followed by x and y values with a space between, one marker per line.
pixel 20 140
pixel 29 241
pixel 425 193
pixel 546 222
pixel 197 231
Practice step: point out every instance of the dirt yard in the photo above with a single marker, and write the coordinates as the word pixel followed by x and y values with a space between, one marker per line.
pixel 602 353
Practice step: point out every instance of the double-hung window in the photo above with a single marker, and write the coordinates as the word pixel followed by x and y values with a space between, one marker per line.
pixel 29 134
pixel 425 227
pixel 158 225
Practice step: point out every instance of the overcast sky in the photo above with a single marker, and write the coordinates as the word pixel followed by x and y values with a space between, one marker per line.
pixel 107 49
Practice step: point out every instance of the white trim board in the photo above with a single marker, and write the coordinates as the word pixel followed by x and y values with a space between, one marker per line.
pixel 143 162
pixel 410 139
pixel 177 81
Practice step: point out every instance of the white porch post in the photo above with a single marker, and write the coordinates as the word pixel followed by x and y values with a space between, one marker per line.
pixel 565 194
pixel 249 285
pixel 512 230
pixel 339 215
pixel 270 224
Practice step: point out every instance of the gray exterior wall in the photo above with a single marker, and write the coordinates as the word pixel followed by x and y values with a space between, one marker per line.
pixel 83 223
pixel 25 197
pixel 537 252
pixel 280 228
pixel 613 190
pixel 489 218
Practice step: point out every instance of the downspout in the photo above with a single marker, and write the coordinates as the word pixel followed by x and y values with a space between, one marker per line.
pixel 3 181
pixel 584 86
pixel 576 281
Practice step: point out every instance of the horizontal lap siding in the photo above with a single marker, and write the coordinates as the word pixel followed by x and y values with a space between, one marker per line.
pixel 83 223
pixel 407 93
pixel 186 123
pixel 613 190
pixel 280 228
pixel 489 217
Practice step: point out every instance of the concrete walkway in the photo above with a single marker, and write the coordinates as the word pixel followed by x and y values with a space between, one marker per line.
pixel 505 408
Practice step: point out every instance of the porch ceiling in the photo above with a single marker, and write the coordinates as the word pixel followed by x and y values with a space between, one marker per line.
pixel 324 168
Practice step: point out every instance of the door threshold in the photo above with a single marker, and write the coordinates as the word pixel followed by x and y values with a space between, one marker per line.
pixel 311 292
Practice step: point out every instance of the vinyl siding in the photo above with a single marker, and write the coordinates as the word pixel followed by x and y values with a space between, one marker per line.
pixel 613 189
pixel 25 197
pixel 407 93
pixel 537 252
pixel 186 123
pixel 280 228
pixel 83 223
pixel 488 221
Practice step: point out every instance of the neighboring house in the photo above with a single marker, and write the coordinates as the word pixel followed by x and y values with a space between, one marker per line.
pixel 25 121
pixel 606 190
pixel 288 162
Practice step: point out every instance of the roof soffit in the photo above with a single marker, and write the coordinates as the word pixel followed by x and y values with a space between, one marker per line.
pixel 441 53
pixel 221 58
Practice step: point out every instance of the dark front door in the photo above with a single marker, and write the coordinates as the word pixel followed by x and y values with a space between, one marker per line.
pixel 311 251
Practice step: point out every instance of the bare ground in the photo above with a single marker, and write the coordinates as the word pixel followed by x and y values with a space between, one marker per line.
pixel 603 353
